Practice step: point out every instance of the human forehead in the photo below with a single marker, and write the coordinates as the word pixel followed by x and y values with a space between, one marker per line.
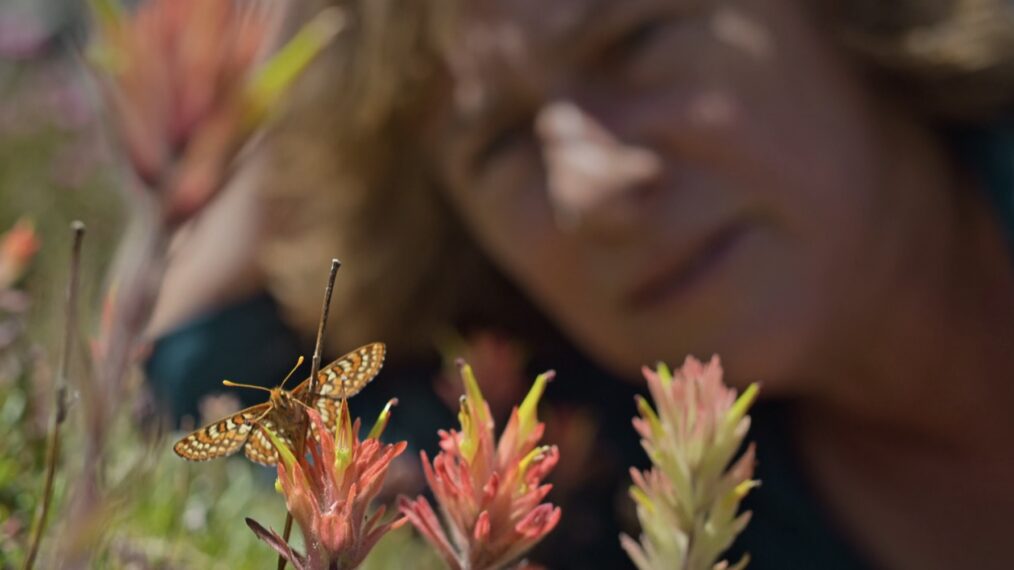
pixel 504 41
pixel 498 34
pixel 506 50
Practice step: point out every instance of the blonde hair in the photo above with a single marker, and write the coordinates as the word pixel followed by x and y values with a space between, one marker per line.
pixel 344 175
pixel 954 59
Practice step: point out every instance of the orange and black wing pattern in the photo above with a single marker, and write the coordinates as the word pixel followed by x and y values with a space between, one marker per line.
pixel 221 438
pixel 344 378
pixel 259 448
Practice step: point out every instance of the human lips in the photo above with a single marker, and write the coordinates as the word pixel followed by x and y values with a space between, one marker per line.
pixel 672 277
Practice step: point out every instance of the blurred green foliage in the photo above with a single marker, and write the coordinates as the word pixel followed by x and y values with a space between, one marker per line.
pixel 164 512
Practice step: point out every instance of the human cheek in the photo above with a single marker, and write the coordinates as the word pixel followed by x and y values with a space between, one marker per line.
pixel 768 113
pixel 507 211
pixel 513 220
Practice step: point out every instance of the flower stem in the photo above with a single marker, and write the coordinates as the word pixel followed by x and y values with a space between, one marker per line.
pixel 60 395
pixel 130 302
pixel 311 393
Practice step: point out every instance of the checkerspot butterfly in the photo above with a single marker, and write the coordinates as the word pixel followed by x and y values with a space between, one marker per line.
pixel 283 413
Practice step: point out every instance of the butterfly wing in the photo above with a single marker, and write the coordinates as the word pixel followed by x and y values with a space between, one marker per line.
pixel 221 438
pixel 344 377
pixel 259 448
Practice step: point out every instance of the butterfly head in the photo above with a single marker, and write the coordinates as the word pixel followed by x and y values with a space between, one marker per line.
pixel 282 398
pixel 279 396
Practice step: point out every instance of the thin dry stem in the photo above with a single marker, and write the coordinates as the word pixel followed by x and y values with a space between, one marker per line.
pixel 60 395
pixel 311 393
pixel 132 295
pixel 319 347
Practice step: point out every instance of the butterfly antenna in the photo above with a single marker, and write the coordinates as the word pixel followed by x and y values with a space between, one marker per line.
pixel 232 384
pixel 299 362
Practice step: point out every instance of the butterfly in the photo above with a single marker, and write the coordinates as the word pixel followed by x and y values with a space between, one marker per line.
pixel 283 413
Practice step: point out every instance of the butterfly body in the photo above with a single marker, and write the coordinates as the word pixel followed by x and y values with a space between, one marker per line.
pixel 284 411
pixel 283 402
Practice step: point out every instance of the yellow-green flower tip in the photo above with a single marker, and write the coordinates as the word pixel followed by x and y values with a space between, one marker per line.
pixel 527 412
pixel 278 486
pixel 744 488
pixel 279 72
pixel 103 52
pixel 641 498
pixel 469 438
pixel 283 450
pixel 473 395
pixel 382 420
pixel 743 403
pixel 526 461
pixel 343 434
pixel 473 416
pixel 646 411
pixel 662 369
pixel 108 12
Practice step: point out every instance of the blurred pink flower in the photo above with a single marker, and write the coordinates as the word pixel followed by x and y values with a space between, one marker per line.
pixel 187 88
pixel 23 34
pixel 489 492
pixel 17 248
pixel 329 493
pixel 688 502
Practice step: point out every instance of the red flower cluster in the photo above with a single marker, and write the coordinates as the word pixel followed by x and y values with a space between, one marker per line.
pixel 187 88
pixel 489 492
pixel 329 493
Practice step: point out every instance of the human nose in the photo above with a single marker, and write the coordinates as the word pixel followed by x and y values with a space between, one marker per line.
pixel 593 178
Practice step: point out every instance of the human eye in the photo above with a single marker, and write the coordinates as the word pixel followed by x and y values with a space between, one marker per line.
pixel 635 38
pixel 653 47
pixel 641 30
pixel 503 137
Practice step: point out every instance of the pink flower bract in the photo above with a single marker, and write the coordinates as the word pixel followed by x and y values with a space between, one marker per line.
pixel 490 493
pixel 330 492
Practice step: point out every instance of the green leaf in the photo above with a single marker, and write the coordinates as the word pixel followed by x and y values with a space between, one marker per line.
pixel 108 12
pixel 279 72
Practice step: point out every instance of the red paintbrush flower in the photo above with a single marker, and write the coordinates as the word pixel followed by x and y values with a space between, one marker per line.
pixel 489 492
pixel 330 492
pixel 188 83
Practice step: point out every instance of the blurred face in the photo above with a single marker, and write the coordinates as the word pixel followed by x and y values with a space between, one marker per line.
pixel 673 177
